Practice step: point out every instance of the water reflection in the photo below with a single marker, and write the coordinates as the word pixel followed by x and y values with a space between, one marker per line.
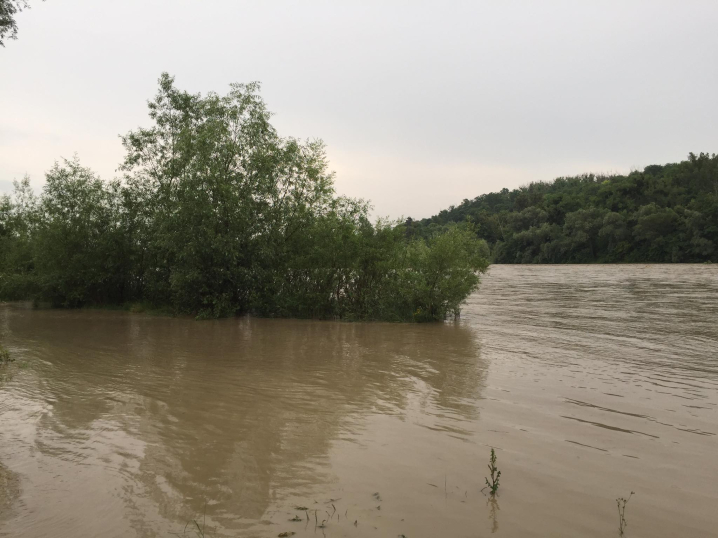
pixel 590 380
pixel 179 414
pixel 493 506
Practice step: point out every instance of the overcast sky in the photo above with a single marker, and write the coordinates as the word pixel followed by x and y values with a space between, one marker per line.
pixel 421 104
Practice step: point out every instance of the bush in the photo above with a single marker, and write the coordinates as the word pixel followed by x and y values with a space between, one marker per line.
pixel 233 219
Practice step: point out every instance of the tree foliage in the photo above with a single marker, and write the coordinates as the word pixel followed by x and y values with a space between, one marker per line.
pixel 665 213
pixel 8 11
pixel 218 215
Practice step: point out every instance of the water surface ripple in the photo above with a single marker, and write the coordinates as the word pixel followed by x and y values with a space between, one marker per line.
pixel 590 382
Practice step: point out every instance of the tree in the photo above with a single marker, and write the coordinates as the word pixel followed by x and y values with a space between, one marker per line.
pixel 663 213
pixel 582 228
pixel 218 215
pixel 657 228
pixel 614 231
pixel 18 221
pixel 78 242
pixel 443 271
pixel 227 192
pixel 8 10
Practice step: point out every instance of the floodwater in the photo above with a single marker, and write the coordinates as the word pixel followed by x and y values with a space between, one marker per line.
pixel 589 381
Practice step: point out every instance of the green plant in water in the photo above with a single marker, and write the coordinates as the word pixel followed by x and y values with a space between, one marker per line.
pixel 5 355
pixel 493 484
pixel 621 504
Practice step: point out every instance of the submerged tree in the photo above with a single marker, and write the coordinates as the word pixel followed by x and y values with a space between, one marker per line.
pixel 218 215
pixel 226 194
pixel 79 246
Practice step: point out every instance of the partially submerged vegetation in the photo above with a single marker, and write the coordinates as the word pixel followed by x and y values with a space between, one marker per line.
pixel 5 355
pixel 493 484
pixel 664 213
pixel 621 504
pixel 217 215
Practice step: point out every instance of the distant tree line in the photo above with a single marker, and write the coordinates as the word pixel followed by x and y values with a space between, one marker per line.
pixel 217 215
pixel 665 213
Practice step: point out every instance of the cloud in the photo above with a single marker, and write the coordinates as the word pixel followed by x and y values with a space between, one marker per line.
pixel 420 106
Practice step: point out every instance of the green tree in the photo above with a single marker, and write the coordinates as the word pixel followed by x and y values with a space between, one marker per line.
pixel 602 217
pixel 217 215
pixel 78 243
pixel 8 11
pixel 582 229
pixel 442 271
pixel 614 232
pixel 656 230
pixel 18 220
pixel 227 194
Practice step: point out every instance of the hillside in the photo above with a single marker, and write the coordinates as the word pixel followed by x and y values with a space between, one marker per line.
pixel 665 213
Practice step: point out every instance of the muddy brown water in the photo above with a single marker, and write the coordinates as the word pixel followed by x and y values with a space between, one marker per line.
pixel 590 382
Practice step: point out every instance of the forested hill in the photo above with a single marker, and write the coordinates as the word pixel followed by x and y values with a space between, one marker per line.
pixel 666 213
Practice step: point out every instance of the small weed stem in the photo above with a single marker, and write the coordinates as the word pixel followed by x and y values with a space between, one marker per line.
pixel 621 504
pixel 493 485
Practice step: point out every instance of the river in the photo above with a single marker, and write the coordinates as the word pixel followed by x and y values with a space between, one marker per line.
pixel 589 381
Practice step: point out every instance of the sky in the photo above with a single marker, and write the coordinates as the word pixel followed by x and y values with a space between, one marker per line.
pixel 421 104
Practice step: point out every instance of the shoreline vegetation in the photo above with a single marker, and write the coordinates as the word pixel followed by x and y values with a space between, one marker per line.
pixel 663 214
pixel 216 215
